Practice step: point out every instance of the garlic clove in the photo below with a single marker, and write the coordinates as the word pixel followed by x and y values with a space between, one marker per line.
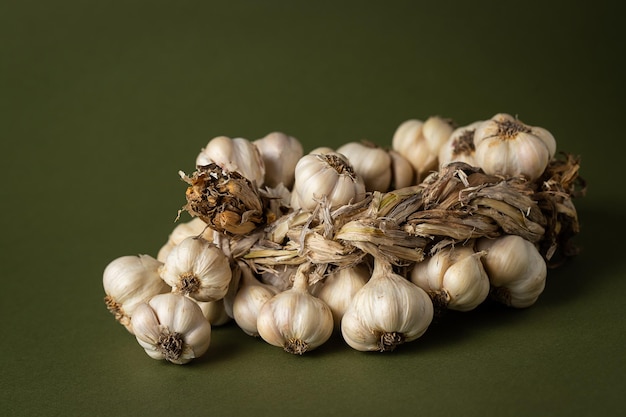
pixel 516 269
pixel 197 268
pixel 338 289
pixel 294 319
pixel 129 281
pixel 466 283
pixel 251 296
pixel 214 311
pixel 403 174
pixel 436 131
pixel 388 311
pixel 280 154
pixel 172 327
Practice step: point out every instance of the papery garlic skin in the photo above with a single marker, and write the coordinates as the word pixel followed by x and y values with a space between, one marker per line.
pixel 517 271
pixel 193 227
pixel 506 146
pixel 234 155
pixel 420 142
pixel 251 296
pixel 129 281
pixel 197 268
pixel 325 176
pixel 388 311
pixel 172 327
pixel 454 277
pixel 370 162
pixel 280 154
pixel 295 320
pixel 460 146
pixel 338 289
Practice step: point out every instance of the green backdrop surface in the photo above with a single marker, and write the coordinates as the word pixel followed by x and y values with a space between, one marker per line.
pixel 101 103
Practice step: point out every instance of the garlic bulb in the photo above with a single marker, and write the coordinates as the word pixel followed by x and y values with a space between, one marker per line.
pixel 129 281
pixel 516 269
pixel 193 227
pixel 251 296
pixel 280 154
pixel 459 146
pixel 325 176
pixel 454 278
pixel 370 162
pixel 506 146
pixel 234 155
pixel 197 268
pixel 294 319
pixel 389 310
pixel 337 289
pixel 172 327
pixel 214 311
pixel 420 142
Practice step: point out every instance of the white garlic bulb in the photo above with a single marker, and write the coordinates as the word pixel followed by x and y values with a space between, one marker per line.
pixel 389 310
pixel 420 142
pixel 325 176
pixel 506 146
pixel 214 311
pixel 280 154
pixel 197 268
pixel 294 319
pixel 129 281
pixel 370 162
pixel 193 227
pixel 454 277
pixel 517 271
pixel 460 146
pixel 172 327
pixel 251 296
pixel 337 289
pixel 234 155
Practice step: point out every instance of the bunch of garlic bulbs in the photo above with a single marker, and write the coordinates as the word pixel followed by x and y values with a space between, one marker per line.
pixel 365 242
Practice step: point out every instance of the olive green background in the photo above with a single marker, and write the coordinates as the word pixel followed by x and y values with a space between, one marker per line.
pixel 102 102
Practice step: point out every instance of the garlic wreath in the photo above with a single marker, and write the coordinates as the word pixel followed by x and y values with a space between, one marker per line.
pixel 329 177
pixel 197 268
pixel 517 271
pixel 387 311
pixel 234 155
pixel 129 281
pixel 506 146
pixel 172 327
